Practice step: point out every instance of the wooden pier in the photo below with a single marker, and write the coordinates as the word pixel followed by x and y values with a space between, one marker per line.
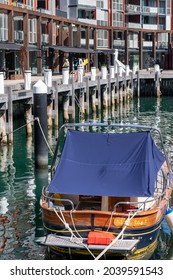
pixel 76 95
pixel 69 97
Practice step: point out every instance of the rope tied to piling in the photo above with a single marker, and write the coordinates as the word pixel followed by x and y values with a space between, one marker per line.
pixel 32 121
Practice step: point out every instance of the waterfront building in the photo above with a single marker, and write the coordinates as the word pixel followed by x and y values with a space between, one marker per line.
pixel 41 34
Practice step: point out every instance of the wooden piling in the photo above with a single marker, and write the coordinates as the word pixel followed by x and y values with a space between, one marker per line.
pixel 49 111
pixel 3 134
pixel 28 118
pixel 56 111
pixel 117 87
pixel 93 99
pixel 10 114
pixel 99 93
pixel 66 108
pixel 81 103
pixel 105 96
pixel 138 83
pixel 87 103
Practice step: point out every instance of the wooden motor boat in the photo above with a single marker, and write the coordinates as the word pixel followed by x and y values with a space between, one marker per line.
pixel 110 189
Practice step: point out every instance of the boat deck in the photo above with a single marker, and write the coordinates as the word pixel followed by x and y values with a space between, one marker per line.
pixel 120 246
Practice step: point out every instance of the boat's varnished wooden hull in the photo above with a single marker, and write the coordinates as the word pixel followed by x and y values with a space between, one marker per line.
pixel 145 227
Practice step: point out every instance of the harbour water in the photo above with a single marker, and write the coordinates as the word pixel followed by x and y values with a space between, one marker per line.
pixel 21 184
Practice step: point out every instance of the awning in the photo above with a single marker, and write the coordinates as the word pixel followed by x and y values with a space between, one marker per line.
pixel 108 164
pixel 10 46
pixel 71 50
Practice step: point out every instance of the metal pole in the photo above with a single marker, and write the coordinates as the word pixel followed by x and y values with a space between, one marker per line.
pixel 40 126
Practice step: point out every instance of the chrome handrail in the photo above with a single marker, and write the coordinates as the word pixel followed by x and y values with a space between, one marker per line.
pixel 52 199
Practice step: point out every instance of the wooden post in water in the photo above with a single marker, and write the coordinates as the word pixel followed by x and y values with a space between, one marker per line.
pixel 49 109
pixel 138 83
pixel 3 135
pixel 109 90
pixel 40 124
pixel 131 84
pixel 117 88
pixel 99 93
pixel 121 91
pixel 113 94
pixel 124 77
pixel 157 79
pixel 66 107
pixel 87 103
pixel 73 101
pixel 56 107
pixel 93 99
pixel 10 114
pixel 105 96
pixel 81 103
pixel 28 117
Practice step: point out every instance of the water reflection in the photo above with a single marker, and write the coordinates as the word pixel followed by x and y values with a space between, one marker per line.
pixel 21 184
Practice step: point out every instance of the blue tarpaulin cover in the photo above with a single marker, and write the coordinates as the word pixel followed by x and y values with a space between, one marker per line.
pixel 107 164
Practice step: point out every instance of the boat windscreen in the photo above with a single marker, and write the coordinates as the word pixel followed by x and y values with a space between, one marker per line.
pixel 107 164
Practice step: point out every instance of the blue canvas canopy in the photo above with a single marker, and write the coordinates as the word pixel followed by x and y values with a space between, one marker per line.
pixel 107 164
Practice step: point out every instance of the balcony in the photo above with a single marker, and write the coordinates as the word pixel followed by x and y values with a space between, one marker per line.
pixel 119 43
pixel 91 3
pixel 133 9
pixel 88 20
pixel 60 13
pixel 134 25
pixel 162 45
pixel 43 11
pixel 147 44
pixel 149 10
pixel 150 26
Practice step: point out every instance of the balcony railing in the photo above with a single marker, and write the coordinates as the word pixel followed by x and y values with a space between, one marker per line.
pixel 43 11
pixel 87 20
pixel 134 25
pixel 119 43
pixel 162 45
pixel 151 10
pixel 151 26
pixel 147 44
pixel 134 9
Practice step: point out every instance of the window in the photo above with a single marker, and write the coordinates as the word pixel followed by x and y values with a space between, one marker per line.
pixel 3 27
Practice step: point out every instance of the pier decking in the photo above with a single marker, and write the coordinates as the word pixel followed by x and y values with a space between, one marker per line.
pixel 85 96
pixel 101 92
